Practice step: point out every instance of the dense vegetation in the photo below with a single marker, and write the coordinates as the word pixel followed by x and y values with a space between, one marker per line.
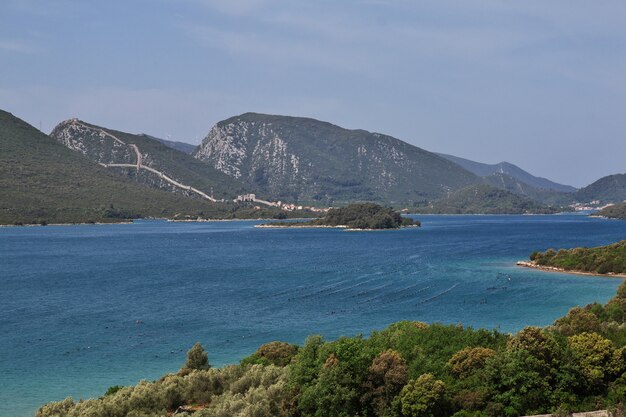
pixel 359 216
pixel 601 260
pixel 409 369
pixel 485 199
pixel 617 211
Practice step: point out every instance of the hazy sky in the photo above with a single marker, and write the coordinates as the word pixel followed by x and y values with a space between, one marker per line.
pixel 538 83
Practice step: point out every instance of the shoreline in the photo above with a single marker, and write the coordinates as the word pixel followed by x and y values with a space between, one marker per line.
pixel 345 228
pixel 148 219
pixel 65 224
pixel 233 220
pixel 558 213
pixel 304 226
pixel 295 218
pixel 531 265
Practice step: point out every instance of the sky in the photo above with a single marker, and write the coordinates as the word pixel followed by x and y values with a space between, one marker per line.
pixel 538 83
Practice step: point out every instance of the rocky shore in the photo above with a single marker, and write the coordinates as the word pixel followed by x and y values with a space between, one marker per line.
pixel 529 264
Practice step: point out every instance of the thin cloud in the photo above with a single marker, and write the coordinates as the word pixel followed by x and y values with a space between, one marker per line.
pixel 288 52
pixel 234 7
pixel 16 46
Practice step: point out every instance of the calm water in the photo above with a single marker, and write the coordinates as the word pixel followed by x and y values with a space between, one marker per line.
pixel 86 307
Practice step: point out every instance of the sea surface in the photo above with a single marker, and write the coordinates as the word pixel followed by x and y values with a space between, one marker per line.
pixel 86 307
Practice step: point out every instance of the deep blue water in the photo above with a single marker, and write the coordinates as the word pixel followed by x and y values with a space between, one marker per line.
pixel 86 307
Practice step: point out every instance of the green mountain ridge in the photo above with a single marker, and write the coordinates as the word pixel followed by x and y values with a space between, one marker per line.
pixel 609 189
pixel 41 181
pixel 484 199
pixel 302 159
pixel 307 161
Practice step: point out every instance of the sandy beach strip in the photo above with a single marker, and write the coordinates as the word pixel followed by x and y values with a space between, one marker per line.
pixel 528 264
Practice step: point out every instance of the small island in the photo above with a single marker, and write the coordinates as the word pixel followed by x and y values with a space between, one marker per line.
pixel 362 216
pixel 602 260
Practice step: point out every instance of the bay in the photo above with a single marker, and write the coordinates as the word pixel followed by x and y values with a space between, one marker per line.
pixel 86 307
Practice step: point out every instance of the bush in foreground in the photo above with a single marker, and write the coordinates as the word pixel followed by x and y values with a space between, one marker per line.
pixel 408 369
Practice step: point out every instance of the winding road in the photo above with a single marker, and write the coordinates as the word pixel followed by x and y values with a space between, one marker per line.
pixel 139 165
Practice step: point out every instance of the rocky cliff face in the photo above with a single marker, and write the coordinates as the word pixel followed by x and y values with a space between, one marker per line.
pixel 308 160
pixel 92 142
pixel 106 146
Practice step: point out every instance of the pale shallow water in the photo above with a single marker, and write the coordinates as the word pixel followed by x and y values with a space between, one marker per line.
pixel 86 307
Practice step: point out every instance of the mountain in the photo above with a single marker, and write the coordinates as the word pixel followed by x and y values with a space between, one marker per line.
pixel 484 199
pixel 609 189
pixel 542 195
pixel 179 146
pixel 302 159
pixel 484 170
pixel 41 181
pixel 161 166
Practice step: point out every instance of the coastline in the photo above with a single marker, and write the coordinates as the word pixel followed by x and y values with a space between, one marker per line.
pixel 232 220
pixel 304 226
pixel 345 228
pixel 295 218
pixel 65 224
pixel 528 264
pixel 146 218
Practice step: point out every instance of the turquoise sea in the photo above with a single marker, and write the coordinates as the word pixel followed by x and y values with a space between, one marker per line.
pixel 86 307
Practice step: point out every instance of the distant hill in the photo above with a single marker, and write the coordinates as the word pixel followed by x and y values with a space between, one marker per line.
pixel 41 181
pixel 541 195
pixel 301 159
pixel 484 199
pixel 484 170
pixel 609 189
pixel 107 146
pixel 179 146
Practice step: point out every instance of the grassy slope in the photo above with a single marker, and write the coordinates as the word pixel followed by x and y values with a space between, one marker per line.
pixel 484 199
pixel 41 180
